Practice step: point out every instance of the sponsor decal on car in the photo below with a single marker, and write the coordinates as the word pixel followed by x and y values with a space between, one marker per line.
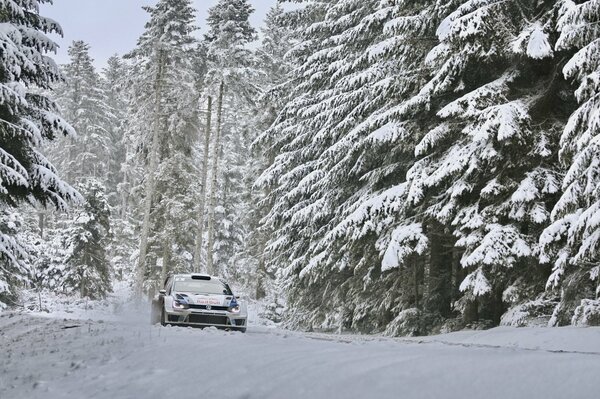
pixel 207 301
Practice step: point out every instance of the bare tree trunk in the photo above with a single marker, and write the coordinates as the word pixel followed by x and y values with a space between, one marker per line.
pixel 261 277
pixel 202 201
pixel 124 196
pixel 82 278
pixel 166 259
pixel 150 180
pixel 213 193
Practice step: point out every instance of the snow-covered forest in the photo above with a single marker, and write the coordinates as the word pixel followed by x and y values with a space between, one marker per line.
pixel 374 166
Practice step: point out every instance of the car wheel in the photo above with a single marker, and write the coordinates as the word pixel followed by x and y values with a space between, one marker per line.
pixel 242 330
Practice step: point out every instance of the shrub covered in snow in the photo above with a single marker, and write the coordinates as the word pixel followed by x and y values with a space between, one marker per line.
pixel 531 313
pixel 412 322
pixel 587 314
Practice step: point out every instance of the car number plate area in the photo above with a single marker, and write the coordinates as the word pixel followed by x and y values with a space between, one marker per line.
pixel 208 301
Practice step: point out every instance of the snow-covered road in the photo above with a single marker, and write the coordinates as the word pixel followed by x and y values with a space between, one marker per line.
pixel 56 358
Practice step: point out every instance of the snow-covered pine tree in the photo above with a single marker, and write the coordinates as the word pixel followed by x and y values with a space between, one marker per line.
pixel 122 169
pixel 481 112
pixel 277 41
pixel 483 169
pixel 373 232
pixel 290 139
pixel 343 91
pixel 113 84
pixel 233 81
pixel 27 119
pixel 83 102
pixel 163 109
pixel 85 241
pixel 571 243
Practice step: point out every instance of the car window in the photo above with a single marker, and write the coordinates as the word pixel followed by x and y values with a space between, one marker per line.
pixel 214 286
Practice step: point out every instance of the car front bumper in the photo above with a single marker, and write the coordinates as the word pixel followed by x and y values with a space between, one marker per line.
pixel 206 318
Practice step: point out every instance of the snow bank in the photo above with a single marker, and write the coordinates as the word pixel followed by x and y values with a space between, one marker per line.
pixel 55 305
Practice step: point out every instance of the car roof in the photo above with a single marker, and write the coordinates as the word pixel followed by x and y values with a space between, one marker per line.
pixel 191 275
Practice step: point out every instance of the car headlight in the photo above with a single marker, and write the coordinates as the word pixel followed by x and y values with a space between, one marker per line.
pixel 234 309
pixel 179 306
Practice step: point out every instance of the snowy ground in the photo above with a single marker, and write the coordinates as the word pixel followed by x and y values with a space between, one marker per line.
pixel 53 358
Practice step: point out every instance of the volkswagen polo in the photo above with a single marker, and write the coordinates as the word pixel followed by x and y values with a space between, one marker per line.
pixel 199 300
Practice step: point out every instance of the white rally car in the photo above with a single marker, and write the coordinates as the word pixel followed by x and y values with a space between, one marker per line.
pixel 199 300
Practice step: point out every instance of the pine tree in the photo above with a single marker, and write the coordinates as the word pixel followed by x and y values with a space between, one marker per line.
pixel 163 106
pixel 571 242
pixel 276 43
pixel 122 169
pixel 86 242
pixel 232 78
pixel 113 84
pixel 329 139
pixel 27 119
pixel 483 169
pixel 83 102
pixel 413 171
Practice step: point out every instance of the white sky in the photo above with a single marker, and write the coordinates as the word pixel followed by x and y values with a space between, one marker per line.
pixel 113 26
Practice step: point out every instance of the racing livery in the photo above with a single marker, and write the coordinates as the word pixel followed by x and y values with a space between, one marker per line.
pixel 199 300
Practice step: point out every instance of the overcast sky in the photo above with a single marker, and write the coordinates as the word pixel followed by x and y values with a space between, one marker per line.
pixel 113 26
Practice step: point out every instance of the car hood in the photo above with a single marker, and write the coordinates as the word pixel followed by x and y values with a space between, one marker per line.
pixel 204 299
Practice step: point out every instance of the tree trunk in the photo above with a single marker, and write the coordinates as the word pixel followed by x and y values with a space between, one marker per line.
pixel 260 278
pixel 124 196
pixel 439 279
pixel 166 259
pixel 213 189
pixel 471 311
pixel 41 222
pixel 416 281
pixel 202 201
pixel 150 179
pixel 82 278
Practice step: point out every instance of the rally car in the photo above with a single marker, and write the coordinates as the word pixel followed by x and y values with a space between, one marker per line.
pixel 199 300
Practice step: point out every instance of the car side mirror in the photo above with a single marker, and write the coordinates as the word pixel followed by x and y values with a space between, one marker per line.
pixel 162 292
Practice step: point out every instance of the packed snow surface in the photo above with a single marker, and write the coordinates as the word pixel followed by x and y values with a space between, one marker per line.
pixel 56 358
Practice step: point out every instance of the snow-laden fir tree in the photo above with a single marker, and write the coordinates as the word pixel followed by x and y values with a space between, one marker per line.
pixel 162 120
pixel 232 80
pixel 290 140
pixel 484 165
pixel 86 239
pixel 571 242
pixel 417 174
pixel 123 170
pixel 83 102
pixel 27 120
pixel 113 80
pixel 378 151
pixel 277 41
pixel 347 82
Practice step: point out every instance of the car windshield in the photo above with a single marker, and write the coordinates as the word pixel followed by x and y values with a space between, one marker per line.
pixel 213 286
